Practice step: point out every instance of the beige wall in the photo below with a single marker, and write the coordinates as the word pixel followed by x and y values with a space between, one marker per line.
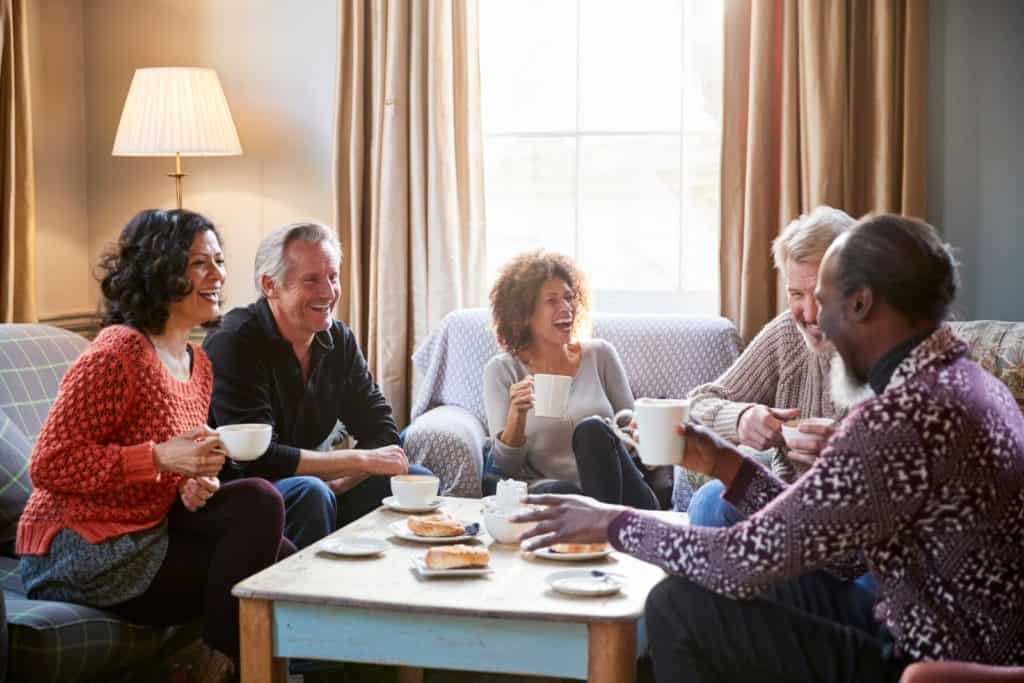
pixel 276 62
pixel 56 77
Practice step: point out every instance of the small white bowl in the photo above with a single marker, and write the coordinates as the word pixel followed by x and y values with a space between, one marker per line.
pixel 501 529
pixel 245 442
pixel 791 428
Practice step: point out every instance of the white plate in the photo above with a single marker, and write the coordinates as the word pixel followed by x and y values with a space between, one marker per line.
pixel 401 529
pixel 392 503
pixel 584 582
pixel 354 547
pixel 549 554
pixel 421 568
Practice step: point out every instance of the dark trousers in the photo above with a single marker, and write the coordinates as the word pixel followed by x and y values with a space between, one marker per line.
pixel 238 533
pixel 607 471
pixel 313 511
pixel 815 628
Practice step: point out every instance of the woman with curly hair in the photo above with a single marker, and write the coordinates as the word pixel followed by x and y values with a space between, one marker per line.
pixel 127 512
pixel 539 306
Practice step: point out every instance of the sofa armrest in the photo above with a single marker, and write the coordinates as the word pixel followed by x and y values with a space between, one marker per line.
pixel 449 441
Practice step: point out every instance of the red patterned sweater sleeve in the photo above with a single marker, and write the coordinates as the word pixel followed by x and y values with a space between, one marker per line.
pixel 74 453
pixel 818 522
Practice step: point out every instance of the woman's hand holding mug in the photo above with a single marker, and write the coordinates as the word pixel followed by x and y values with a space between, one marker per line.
pixel 520 396
pixel 195 453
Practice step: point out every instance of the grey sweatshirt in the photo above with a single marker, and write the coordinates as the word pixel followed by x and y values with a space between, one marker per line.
pixel 599 388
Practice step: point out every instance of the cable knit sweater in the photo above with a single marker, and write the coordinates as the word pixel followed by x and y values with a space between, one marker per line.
pixel 92 467
pixel 777 370
pixel 926 481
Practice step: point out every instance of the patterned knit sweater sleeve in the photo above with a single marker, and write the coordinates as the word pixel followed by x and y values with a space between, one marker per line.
pixel 816 523
pixel 752 379
pixel 75 452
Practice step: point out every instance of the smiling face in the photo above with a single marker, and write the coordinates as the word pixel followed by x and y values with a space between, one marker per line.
pixel 303 302
pixel 836 323
pixel 553 313
pixel 205 273
pixel 801 279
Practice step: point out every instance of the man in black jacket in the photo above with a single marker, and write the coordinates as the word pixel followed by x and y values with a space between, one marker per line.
pixel 285 361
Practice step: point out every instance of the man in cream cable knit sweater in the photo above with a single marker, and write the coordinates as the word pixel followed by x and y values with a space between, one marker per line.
pixel 782 374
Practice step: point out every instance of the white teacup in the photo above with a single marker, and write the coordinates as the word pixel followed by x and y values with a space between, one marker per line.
pixel 551 395
pixel 656 418
pixel 792 435
pixel 499 525
pixel 245 442
pixel 414 490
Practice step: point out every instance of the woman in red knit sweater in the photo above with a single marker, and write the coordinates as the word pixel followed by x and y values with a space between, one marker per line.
pixel 127 512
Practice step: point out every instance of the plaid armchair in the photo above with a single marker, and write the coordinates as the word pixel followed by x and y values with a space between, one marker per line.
pixel 52 641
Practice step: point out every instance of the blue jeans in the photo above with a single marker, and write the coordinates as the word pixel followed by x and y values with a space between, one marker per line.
pixel 708 508
pixel 313 511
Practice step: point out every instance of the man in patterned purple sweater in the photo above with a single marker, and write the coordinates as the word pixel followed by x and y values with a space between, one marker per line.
pixel 923 485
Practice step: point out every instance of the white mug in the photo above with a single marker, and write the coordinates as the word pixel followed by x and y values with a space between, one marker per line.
pixel 551 395
pixel 656 419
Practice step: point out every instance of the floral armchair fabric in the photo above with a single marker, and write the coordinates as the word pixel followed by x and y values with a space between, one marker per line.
pixel 998 347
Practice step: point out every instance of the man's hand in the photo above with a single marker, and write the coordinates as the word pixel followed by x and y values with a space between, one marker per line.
pixel 813 438
pixel 345 484
pixel 569 519
pixel 387 460
pixel 196 491
pixel 760 427
pixel 708 453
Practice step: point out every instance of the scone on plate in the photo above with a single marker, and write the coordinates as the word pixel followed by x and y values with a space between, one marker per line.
pixel 574 548
pixel 457 557
pixel 437 525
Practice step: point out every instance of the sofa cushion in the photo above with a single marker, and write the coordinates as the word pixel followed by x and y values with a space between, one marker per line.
pixel 61 641
pixel 34 359
pixel 15 484
pixel 998 347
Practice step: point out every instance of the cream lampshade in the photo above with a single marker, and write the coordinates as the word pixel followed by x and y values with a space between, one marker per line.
pixel 176 111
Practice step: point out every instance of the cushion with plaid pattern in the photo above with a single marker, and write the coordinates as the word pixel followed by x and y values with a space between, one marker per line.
pixel 15 484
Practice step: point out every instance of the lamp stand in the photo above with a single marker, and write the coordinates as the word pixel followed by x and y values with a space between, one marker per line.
pixel 177 175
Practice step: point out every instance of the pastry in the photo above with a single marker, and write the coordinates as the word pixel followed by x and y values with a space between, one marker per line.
pixel 457 556
pixel 437 525
pixel 573 548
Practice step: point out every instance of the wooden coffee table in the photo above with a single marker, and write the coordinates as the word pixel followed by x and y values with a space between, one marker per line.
pixel 318 606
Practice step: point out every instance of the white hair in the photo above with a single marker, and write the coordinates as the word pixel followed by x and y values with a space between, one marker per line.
pixel 270 259
pixel 806 238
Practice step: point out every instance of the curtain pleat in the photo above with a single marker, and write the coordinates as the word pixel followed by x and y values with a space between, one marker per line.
pixel 824 103
pixel 17 197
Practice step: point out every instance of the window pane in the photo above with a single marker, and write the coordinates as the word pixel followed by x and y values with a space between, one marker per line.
pixel 630 65
pixel 701 212
pixel 530 190
pixel 528 65
pixel 629 211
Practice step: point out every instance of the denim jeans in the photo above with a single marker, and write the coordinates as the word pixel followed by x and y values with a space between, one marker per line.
pixel 813 628
pixel 313 511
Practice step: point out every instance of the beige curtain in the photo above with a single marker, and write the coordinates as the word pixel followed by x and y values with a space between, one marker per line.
pixel 823 103
pixel 17 229
pixel 409 172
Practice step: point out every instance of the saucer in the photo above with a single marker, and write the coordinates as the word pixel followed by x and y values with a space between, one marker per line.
pixel 420 564
pixel 587 582
pixel 391 502
pixel 549 554
pixel 401 529
pixel 359 546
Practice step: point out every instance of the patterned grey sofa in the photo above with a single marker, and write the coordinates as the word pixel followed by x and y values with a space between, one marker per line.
pixel 52 641
pixel 664 355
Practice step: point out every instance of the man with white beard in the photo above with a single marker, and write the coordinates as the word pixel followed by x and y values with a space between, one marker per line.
pixel 783 374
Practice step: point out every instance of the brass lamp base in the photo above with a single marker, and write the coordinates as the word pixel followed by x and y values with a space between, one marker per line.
pixel 177 175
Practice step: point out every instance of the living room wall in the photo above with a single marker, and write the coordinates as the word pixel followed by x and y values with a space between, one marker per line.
pixel 277 66
pixel 975 149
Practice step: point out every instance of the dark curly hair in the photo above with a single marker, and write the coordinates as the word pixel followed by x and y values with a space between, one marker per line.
pixel 514 296
pixel 144 272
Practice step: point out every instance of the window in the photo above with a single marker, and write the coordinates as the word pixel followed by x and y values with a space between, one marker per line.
pixel 602 129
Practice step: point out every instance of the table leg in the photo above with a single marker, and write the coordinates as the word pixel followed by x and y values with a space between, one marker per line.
pixel 258 664
pixel 611 652
pixel 410 674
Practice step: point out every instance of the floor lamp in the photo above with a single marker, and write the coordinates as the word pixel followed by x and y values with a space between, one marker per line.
pixel 176 112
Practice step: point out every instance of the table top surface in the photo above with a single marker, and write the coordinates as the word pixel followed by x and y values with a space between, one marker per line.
pixel 516 588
